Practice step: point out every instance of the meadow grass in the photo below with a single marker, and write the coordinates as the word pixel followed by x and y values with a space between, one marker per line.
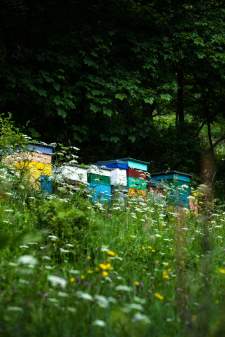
pixel 70 268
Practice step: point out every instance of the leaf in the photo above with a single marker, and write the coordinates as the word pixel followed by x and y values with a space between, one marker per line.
pixel 149 100
pixel 94 107
pixel 56 86
pixel 132 139
pixel 62 113
pixel 166 97
pixel 121 97
pixel 107 112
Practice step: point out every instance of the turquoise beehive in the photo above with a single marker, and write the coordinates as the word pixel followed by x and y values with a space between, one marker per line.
pixel 179 184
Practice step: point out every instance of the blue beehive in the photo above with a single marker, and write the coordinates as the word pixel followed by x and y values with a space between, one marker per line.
pixel 179 183
pixel 45 149
pixel 113 164
pixel 125 163
pixel 100 193
pixel 46 184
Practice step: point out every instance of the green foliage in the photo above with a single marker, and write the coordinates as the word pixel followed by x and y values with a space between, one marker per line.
pixel 113 271
pixel 11 137
pixel 63 219
pixel 126 66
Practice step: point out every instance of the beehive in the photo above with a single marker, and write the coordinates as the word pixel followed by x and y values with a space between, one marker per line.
pixel 118 177
pixel 99 184
pixel 72 174
pixel 36 160
pixel 134 173
pixel 179 184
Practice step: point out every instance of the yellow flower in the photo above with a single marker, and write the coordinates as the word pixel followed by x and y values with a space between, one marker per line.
pixel 111 253
pixel 221 270
pixel 136 283
pixel 152 250
pixel 105 266
pixel 104 273
pixel 159 296
pixel 72 280
pixel 165 275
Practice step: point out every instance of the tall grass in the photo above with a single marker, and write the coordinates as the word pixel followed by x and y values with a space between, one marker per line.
pixel 143 268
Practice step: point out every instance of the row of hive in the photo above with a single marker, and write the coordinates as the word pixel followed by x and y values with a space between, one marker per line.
pixel 120 177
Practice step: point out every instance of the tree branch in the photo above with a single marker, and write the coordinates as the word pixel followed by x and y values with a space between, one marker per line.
pixel 218 141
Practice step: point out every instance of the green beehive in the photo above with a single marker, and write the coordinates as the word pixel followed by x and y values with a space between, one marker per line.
pixel 139 184
pixel 94 178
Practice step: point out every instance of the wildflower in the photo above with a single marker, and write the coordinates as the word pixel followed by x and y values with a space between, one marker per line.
pixel 105 266
pixel 84 296
pixel 72 280
pixel 24 246
pixel 99 322
pixel 71 309
pixel 159 296
pixel 104 273
pixel 102 301
pixel 53 237
pixel 111 299
pixel 136 283
pixel 57 281
pixel 64 251
pixel 27 260
pixel 62 294
pixel 14 308
pixel 138 317
pixel 221 270
pixel 123 288
pixel 111 253
pixel 74 271
pixel 165 275
pixel 45 257
pixel 104 248
pixel 53 300
pixel 134 306
pixel 139 300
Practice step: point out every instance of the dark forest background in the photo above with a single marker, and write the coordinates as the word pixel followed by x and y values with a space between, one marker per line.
pixel 118 78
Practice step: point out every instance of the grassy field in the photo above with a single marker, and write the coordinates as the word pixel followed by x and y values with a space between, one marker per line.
pixel 69 268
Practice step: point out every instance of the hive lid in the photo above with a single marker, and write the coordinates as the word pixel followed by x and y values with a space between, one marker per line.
pixel 171 172
pixel 135 160
pixel 41 148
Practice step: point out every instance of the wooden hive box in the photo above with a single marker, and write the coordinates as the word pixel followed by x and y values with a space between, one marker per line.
pixel 36 160
pixel 100 192
pixel 97 175
pixel 136 164
pixel 136 173
pixel 72 174
pixel 139 184
pixel 179 183
pixel 118 177
pixel 125 163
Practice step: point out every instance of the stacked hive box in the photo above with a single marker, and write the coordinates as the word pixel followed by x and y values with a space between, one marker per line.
pixel 131 173
pixel 99 184
pixel 73 175
pixel 178 184
pixel 36 160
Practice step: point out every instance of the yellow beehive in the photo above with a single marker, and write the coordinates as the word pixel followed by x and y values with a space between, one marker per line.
pixel 133 192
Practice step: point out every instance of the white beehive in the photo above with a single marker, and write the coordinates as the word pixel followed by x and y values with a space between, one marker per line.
pixel 100 170
pixel 73 173
pixel 118 177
